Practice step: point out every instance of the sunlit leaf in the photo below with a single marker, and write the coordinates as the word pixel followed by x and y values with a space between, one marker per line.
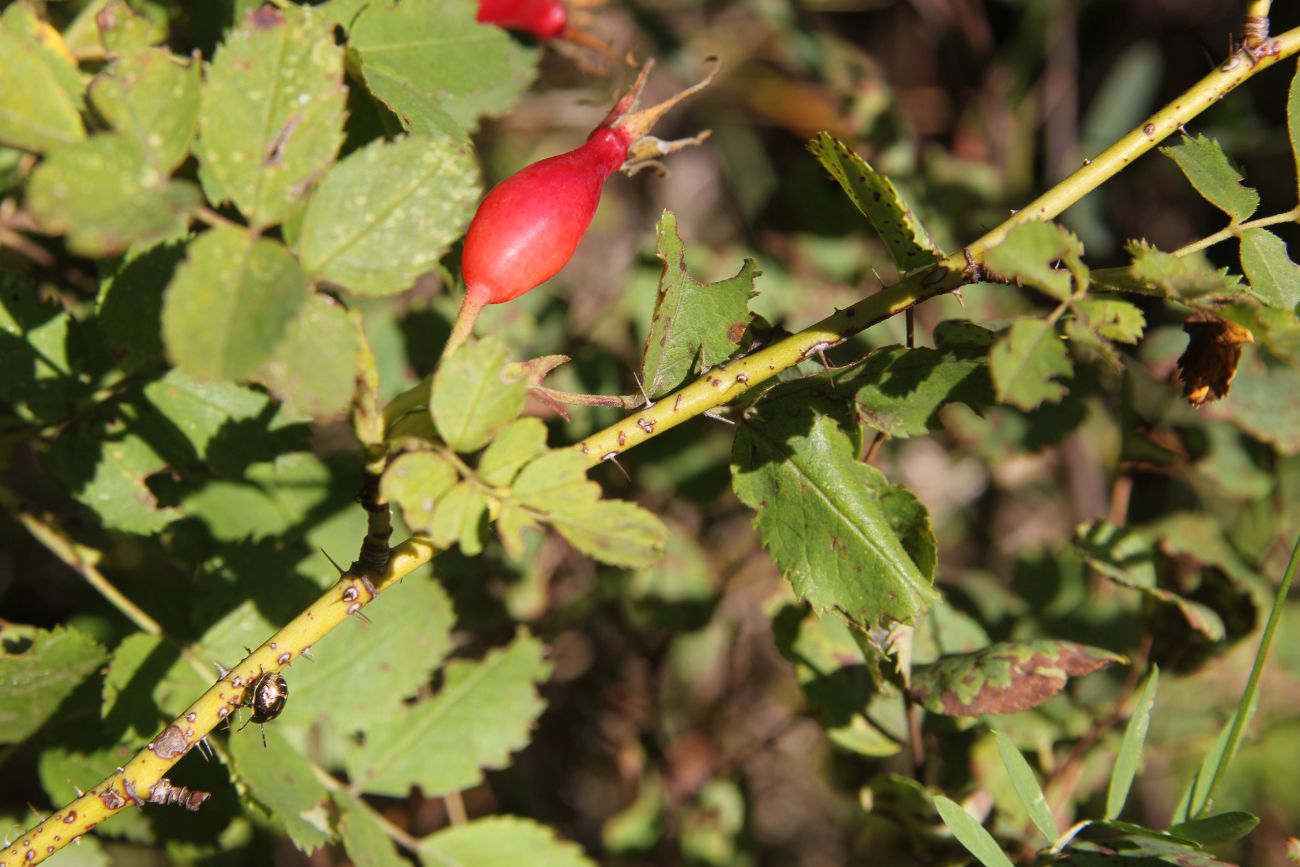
pixel 1207 167
pixel 695 325
pixel 971 834
pixel 1027 788
pixel 500 840
pixel 421 53
pixel 271 115
pixel 1030 253
pixel 879 200
pixel 414 482
pixel 475 395
pixel 103 193
pixel 151 98
pixel 385 215
pixel 313 370
pixel 1273 277
pixel 230 303
pixel 820 514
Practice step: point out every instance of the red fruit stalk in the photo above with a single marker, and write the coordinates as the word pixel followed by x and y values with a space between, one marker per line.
pixel 529 225
pixel 545 19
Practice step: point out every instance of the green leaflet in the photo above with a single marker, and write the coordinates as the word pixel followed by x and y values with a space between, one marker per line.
pixel 827 520
pixel 695 325
pixel 879 201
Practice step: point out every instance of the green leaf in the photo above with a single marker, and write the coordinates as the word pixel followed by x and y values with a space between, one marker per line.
pixel 1273 277
pixel 414 482
pixel 230 303
pixel 105 466
pixel 1027 789
pixel 38 676
pixel 1217 830
pixel 138 665
pixel 1214 177
pixel 499 841
pixel 1005 677
pixel 899 391
pixel 200 411
pixel 1111 318
pixel 105 196
pixel 1155 272
pixel 834 675
pixel 695 325
pixel 1265 400
pixel 1130 750
pixel 1128 558
pixel 123 30
pixel 313 370
pixel 1027 256
pixel 460 518
pixel 820 513
pixel 612 531
pixel 131 299
pixel 1195 798
pixel 37 113
pixel 281 781
pixel 971 834
pixel 364 839
pixel 386 214
pixel 409 641
pixel 271 114
pixel 1026 362
pixel 151 97
pixel 418 54
pixel 879 201
pixel 555 488
pixel 475 395
pixel 520 442
pixel 484 712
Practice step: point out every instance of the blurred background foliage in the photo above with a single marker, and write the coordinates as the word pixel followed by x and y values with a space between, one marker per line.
pixel 689 706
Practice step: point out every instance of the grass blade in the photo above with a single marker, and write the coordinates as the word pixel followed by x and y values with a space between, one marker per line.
pixel 1130 751
pixel 1027 788
pixel 971 834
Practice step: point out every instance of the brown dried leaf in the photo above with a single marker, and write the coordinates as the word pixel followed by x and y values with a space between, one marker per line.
pixel 1209 362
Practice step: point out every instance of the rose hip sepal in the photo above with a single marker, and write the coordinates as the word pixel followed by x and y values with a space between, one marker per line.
pixel 527 228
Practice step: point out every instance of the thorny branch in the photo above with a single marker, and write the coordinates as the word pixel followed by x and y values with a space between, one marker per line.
pixel 135 782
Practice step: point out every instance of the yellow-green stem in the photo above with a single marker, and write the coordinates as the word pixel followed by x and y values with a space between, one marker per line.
pixel 716 387
pixel 1235 231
